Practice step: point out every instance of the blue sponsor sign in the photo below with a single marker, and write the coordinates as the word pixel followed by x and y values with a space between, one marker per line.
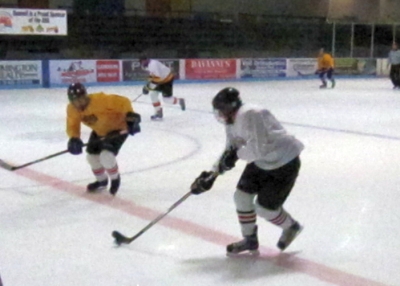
pixel 260 68
pixel 20 73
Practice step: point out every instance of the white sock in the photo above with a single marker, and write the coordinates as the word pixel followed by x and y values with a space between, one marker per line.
pixel 97 168
pixel 154 99
pixel 109 161
pixel 170 100
pixel 278 217
pixel 245 207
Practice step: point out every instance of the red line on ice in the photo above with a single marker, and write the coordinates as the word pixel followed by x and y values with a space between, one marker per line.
pixel 285 260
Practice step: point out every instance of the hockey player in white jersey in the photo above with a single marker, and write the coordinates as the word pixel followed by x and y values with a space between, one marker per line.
pixel 394 62
pixel 161 80
pixel 273 163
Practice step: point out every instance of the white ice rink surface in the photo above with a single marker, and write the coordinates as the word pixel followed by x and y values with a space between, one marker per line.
pixel 347 195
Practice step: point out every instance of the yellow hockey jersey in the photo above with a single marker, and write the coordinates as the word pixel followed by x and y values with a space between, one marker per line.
pixel 104 113
pixel 325 61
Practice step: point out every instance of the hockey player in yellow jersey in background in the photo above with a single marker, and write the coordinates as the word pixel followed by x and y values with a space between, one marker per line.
pixel 111 118
pixel 325 67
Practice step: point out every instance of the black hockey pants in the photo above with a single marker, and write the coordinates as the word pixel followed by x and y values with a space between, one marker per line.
pixel 395 75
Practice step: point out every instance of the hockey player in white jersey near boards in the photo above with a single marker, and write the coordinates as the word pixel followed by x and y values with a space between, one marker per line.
pixel 161 80
pixel 273 164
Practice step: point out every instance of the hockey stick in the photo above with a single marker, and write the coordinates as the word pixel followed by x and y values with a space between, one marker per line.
pixel 13 168
pixel 120 238
pixel 137 97
pixel 299 73
pixel 9 167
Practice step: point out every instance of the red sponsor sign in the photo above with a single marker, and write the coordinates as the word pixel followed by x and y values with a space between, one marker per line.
pixel 107 71
pixel 210 68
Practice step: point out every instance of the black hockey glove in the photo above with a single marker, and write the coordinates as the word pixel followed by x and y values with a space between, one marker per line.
pixel 321 71
pixel 75 146
pixel 203 183
pixel 228 160
pixel 145 89
pixel 148 87
pixel 133 120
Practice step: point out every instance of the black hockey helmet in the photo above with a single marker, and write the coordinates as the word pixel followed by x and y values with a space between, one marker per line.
pixel 226 103
pixel 144 61
pixel 227 100
pixel 76 90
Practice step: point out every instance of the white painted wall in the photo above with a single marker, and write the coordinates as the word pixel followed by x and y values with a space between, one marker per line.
pixel 13 2
pixel 54 4
pixel 362 10
pixel 390 10
pixel 135 4
pixel 314 8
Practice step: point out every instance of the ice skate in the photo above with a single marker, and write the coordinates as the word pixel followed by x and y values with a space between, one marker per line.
pixel 249 243
pixel 333 83
pixel 322 86
pixel 288 235
pixel 158 115
pixel 115 185
pixel 182 103
pixel 96 186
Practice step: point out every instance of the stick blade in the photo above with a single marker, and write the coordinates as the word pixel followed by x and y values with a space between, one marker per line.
pixel 120 238
pixel 6 166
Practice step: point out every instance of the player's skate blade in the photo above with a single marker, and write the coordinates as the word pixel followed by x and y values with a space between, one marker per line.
pixel 115 185
pixel 157 116
pixel 249 244
pixel 96 186
pixel 289 235
pixel 182 103
pixel 253 253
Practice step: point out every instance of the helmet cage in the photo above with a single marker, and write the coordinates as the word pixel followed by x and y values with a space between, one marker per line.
pixel 225 105
pixel 76 90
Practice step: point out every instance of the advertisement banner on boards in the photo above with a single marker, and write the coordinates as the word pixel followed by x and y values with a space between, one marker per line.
pixel 260 68
pixel 132 71
pixel 69 71
pixel 301 67
pixel 383 67
pixel 210 68
pixel 20 72
pixel 33 22
pixel 108 70
pixel 355 66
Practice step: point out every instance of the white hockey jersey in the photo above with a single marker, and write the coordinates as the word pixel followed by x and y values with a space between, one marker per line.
pixel 260 138
pixel 159 73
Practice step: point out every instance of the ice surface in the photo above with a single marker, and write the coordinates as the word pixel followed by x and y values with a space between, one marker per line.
pixel 347 195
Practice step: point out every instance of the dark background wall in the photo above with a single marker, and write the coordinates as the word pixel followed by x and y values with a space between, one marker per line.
pixel 361 10
pixel 209 28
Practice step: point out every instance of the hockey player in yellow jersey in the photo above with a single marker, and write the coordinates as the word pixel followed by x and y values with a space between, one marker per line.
pixel 111 118
pixel 325 67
